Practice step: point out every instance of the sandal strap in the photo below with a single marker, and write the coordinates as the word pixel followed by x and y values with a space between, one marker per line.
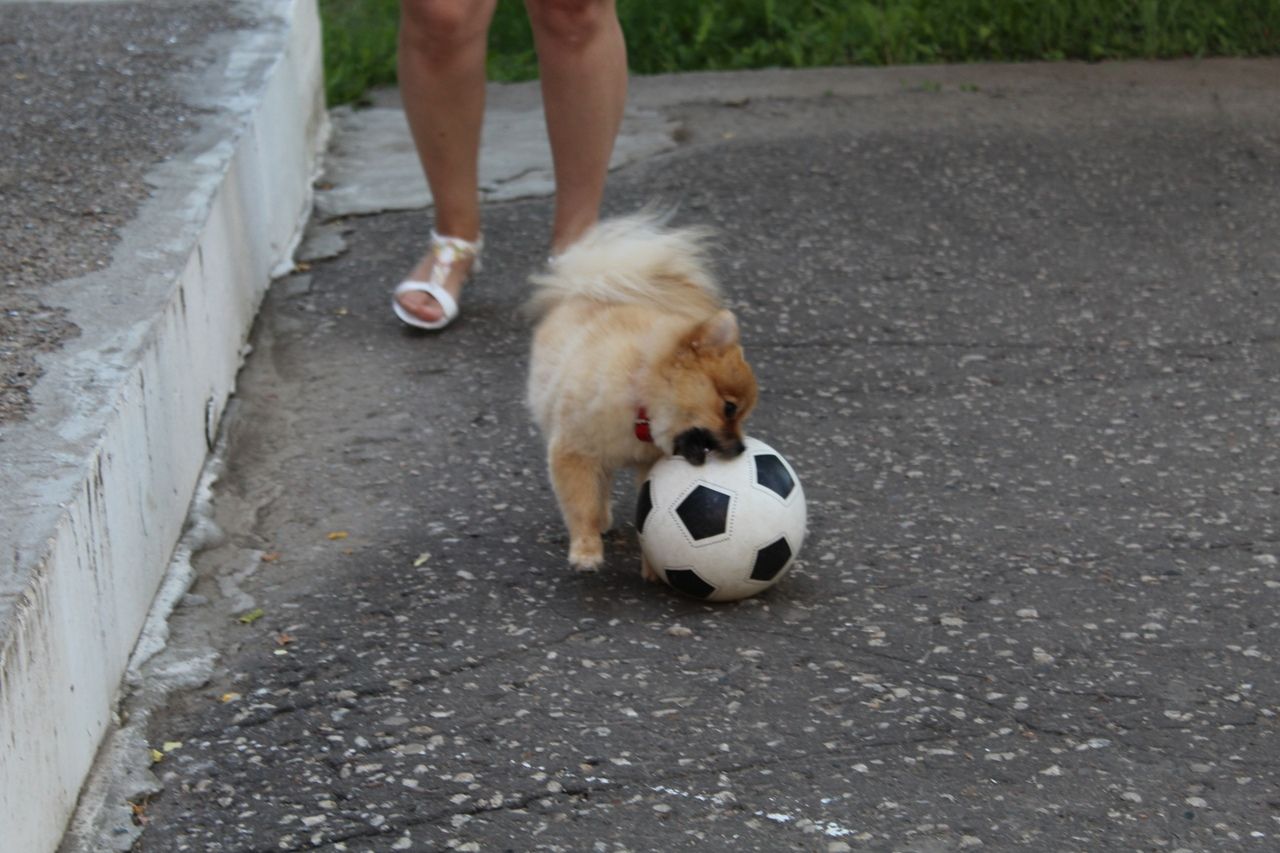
pixel 447 303
pixel 460 248
pixel 446 251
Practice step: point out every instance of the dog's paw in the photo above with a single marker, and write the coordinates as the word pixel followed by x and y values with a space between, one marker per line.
pixel 586 556
pixel 647 572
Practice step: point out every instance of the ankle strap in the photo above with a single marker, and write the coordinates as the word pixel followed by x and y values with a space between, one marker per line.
pixel 463 248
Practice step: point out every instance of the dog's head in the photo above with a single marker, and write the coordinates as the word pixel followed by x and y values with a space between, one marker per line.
pixel 705 390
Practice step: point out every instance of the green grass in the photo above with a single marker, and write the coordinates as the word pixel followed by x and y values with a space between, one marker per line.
pixel 684 35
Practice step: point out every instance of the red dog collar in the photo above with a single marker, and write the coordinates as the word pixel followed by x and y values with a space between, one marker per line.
pixel 642 426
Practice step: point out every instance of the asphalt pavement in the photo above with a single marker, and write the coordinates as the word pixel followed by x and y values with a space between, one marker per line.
pixel 94 96
pixel 1015 328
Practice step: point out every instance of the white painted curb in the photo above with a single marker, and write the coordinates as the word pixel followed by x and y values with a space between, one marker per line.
pixel 97 485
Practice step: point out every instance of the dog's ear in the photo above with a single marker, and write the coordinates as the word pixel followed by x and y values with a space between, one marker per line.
pixel 717 333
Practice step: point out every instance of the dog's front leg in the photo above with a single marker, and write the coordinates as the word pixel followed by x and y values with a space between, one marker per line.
pixel 579 481
pixel 647 572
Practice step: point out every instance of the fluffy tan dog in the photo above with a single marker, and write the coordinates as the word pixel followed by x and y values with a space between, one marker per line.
pixel 634 357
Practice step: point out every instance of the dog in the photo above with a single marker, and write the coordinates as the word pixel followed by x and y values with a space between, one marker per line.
pixel 634 357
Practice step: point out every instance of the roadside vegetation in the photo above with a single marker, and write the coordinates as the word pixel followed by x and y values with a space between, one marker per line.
pixel 682 35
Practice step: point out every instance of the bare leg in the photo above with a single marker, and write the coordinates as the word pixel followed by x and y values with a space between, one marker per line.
pixel 442 80
pixel 582 60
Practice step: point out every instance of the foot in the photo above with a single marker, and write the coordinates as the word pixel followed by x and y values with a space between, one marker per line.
pixel 449 263
pixel 586 553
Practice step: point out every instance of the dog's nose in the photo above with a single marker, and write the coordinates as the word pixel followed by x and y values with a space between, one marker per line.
pixel 693 445
pixel 732 448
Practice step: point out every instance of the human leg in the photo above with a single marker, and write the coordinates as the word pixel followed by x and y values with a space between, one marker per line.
pixel 442 83
pixel 582 60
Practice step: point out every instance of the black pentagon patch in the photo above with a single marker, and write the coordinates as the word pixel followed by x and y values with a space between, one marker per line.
pixel 705 512
pixel 773 475
pixel 688 582
pixel 644 505
pixel 770 559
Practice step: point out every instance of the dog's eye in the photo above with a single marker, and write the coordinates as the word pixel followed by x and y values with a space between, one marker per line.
pixel 730 409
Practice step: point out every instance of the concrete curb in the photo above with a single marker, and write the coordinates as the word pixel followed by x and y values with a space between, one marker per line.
pixel 104 471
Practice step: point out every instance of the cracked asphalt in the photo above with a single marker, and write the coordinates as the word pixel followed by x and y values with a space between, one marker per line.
pixel 1022 349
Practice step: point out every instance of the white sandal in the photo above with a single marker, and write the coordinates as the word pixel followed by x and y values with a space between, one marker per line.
pixel 445 252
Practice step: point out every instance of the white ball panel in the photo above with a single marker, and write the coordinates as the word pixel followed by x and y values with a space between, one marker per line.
pixel 757 516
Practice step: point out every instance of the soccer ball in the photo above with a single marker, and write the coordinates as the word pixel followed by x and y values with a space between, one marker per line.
pixel 723 530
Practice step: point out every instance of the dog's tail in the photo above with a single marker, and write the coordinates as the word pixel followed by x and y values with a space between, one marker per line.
pixel 632 260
